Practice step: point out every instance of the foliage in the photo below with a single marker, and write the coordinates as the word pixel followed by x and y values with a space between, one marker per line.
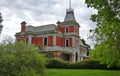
pixel 107 32
pixel 54 63
pixel 91 64
pixel 21 59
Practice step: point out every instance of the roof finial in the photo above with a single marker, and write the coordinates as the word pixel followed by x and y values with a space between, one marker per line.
pixel 69 3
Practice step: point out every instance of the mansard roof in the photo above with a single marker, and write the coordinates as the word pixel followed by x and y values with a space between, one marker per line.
pixel 69 18
pixel 69 15
pixel 35 33
pixel 39 30
pixel 43 28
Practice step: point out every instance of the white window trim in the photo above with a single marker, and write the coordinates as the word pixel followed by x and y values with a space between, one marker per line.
pixel 29 37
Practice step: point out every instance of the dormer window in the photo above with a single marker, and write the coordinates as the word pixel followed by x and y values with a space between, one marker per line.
pixel 67 29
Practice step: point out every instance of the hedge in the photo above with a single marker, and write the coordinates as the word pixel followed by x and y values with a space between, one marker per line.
pixel 91 64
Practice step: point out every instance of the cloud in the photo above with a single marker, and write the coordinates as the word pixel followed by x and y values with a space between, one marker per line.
pixel 39 12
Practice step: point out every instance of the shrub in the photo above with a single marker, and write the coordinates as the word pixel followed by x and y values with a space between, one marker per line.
pixel 91 64
pixel 21 59
pixel 54 63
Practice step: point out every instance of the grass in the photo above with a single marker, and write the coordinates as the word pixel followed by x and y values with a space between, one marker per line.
pixel 73 72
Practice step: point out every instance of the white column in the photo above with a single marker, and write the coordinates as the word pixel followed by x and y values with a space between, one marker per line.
pixel 73 41
pixel 54 40
pixel 30 39
pixel 78 56
pixel 81 58
pixel 73 58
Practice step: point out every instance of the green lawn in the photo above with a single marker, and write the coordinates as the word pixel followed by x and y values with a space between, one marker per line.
pixel 73 72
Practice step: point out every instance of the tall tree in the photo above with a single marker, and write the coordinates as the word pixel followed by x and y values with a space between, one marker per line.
pixel 107 32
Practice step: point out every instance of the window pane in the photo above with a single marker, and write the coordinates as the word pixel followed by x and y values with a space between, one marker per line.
pixel 67 43
pixel 67 30
pixel 45 41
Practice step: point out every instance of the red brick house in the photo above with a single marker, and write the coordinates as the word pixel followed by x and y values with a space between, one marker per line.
pixel 62 40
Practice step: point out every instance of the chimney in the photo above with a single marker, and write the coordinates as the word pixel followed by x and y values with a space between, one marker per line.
pixel 23 26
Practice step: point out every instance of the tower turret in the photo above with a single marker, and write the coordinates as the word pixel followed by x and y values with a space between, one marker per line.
pixel 69 14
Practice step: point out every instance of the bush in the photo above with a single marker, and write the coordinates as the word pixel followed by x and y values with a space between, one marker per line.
pixel 91 64
pixel 54 63
pixel 21 59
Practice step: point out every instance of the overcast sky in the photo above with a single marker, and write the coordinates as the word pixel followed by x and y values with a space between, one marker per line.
pixel 40 12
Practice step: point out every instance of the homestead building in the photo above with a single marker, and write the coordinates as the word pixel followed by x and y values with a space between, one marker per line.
pixel 62 40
